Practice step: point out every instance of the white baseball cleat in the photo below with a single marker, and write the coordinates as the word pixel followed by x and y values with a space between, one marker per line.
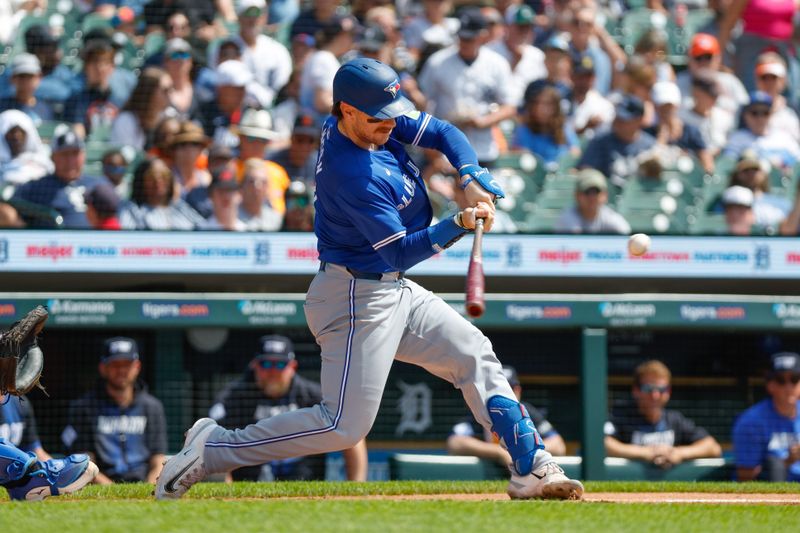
pixel 547 482
pixel 186 468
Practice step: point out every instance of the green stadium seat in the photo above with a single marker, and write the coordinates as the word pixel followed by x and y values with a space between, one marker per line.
pixel 94 21
pixel 695 19
pixel 555 198
pixel 153 44
pixel 637 21
pixel 520 189
pixel 541 221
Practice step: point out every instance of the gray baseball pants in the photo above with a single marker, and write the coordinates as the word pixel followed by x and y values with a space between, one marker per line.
pixel 362 326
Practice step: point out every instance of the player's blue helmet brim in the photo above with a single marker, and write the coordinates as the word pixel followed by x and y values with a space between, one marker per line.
pixel 371 87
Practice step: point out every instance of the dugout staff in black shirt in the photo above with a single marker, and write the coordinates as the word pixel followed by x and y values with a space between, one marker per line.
pixel 649 432
pixel 269 387
pixel 119 424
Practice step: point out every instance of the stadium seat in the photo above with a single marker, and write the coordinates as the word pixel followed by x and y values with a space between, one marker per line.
pixel 47 128
pixel 541 221
pixel 637 21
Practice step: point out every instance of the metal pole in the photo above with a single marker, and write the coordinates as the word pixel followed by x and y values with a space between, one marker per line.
pixel 594 401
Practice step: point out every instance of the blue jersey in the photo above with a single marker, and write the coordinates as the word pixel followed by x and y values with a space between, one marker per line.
pixel 760 432
pixel 372 209
pixel 18 424
pixel 122 439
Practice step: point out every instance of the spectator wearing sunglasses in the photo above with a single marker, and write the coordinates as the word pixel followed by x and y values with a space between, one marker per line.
pixel 178 63
pixel 771 78
pixel 705 55
pixel 766 437
pixel 778 149
pixel 270 387
pixel 644 430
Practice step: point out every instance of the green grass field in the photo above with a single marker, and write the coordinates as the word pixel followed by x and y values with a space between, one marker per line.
pixel 303 507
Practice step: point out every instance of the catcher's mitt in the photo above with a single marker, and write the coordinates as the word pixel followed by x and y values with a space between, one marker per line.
pixel 21 360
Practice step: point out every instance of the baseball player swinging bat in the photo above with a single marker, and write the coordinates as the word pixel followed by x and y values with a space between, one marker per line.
pixel 475 281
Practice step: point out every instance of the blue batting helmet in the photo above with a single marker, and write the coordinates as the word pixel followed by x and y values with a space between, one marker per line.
pixel 371 87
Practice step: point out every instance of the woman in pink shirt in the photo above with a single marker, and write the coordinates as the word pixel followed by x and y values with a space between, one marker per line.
pixel 766 24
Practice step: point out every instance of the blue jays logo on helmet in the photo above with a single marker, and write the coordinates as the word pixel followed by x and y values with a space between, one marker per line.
pixel 393 88
pixel 371 87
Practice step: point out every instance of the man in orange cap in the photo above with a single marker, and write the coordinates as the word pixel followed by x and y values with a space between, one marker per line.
pixel 705 54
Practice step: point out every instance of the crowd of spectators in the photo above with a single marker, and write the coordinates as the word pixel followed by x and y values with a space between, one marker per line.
pixel 162 99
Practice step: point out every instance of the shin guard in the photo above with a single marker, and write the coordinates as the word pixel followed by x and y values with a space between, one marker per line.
pixel 13 462
pixel 512 425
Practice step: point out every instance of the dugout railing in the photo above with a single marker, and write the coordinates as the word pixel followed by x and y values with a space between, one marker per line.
pixel 184 338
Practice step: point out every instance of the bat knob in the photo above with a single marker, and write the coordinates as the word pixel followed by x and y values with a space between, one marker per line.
pixel 475 309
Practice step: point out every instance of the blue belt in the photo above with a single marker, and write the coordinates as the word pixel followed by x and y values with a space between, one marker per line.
pixel 374 276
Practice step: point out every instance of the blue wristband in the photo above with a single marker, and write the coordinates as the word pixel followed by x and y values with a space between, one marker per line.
pixel 444 234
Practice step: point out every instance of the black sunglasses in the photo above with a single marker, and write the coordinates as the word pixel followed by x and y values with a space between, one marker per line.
pixel 703 57
pixel 794 379
pixel 648 388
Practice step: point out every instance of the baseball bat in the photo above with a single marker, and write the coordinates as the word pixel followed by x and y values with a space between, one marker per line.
pixel 475 281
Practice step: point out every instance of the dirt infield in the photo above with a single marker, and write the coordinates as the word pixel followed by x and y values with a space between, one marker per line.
pixel 614 497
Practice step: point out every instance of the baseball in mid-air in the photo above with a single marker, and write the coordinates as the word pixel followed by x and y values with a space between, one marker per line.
pixel 638 244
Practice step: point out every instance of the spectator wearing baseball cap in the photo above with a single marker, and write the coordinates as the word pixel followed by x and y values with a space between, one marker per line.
pixel 119 423
pixel 771 79
pixel 591 214
pixel 268 60
pixel 469 438
pixel 671 130
pixel 777 148
pixel 299 159
pixel 591 110
pixel 705 55
pixel 765 436
pixel 102 206
pixel 737 202
pixel 713 122
pixel 475 113
pixel 26 75
pixel 61 191
pixel 226 197
pixel 433 25
pixel 614 153
pixel 751 172
pixel 269 387
pixel 334 40
pixel 178 63
pixel 527 61
pixel 372 42
pixel 583 30
pixel 557 60
pixel 220 116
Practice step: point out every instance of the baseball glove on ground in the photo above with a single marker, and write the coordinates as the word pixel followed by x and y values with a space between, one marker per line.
pixel 21 360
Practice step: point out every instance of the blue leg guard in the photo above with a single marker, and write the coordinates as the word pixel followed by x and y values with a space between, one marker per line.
pixel 13 462
pixel 512 425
